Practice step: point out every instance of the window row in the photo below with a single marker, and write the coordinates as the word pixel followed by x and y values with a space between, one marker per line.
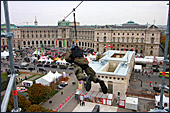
pixel 38 36
pixel 125 34
pixel 106 77
pixel 85 44
pixel 37 42
pixel 43 31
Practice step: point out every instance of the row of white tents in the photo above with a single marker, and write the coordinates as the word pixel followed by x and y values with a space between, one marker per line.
pixel 148 59
pixel 5 54
pixel 49 78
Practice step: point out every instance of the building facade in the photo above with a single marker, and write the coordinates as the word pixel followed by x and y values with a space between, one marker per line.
pixel 115 69
pixel 141 38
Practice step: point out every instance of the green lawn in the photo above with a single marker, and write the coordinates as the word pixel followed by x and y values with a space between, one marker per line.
pixel 3 75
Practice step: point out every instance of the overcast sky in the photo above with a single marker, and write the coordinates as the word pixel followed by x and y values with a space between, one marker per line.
pixel 88 13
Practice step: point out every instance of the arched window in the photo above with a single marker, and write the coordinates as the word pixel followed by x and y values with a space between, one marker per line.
pixel 79 43
pixel 32 42
pixel 44 35
pixel 48 42
pixel 152 40
pixel 44 42
pixel 151 52
pixel 88 44
pixel 24 43
pixel 37 42
pixel 104 39
pixel 141 51
pixel 82 43
pixel 52 42
pixel 85 44
pixel 73 42
pixel 28 42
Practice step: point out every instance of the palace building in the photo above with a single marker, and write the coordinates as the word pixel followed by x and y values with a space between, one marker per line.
pixel 142 39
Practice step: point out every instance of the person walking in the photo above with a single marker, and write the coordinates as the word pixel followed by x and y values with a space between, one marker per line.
pixel 76 58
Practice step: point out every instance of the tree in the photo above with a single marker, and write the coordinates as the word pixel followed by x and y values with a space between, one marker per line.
pixel 37 93
pixel 36 108
pixel 23 103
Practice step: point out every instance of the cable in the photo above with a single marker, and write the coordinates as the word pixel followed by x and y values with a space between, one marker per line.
pixel 73 10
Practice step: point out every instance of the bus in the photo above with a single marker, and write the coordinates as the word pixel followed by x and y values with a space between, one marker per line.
pixel 166 74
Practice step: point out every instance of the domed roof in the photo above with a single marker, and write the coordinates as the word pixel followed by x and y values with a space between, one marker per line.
pixel 130 22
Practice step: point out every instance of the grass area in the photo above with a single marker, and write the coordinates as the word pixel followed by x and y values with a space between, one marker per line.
pixel 3 75
pixel 38 78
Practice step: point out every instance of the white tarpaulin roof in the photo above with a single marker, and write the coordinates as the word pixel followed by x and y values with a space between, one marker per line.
pixel 143 60
pixel 132 100
pixel 58 74
pixel 165 99
pixel 138 67
pixel 159 58
pixel 47 79
pixel 149 57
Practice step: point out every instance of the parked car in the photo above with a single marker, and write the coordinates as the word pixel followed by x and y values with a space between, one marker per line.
pixel 71 68
pixel 39 65
pixel 24 64
pixel 41 69
pixel 17 66
pixel 63 84
pixel 31 68
pixel 46 65
pixel 21 89
pixel 59 87
pixel 63 66
pixel 53 65
pixel 24 68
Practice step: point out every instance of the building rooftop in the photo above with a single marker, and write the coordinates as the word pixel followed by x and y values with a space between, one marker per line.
pixel 114 63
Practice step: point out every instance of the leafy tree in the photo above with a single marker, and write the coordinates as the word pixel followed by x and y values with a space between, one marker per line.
pixel 37 93
pixel 36 108
pixel 23 103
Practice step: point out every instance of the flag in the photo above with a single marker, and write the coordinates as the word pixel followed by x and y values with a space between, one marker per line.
pixel 110 46
pixel 56 42
pixel 64 42
pixel 105 46
pixel 94 53
pixel 36 52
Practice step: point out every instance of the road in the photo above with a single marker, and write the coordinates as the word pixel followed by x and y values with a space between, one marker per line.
pixel 57 99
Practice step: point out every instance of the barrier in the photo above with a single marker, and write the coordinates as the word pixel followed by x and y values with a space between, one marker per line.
pixel 58 109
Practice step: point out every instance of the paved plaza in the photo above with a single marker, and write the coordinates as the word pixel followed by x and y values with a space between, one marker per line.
pixel 89 107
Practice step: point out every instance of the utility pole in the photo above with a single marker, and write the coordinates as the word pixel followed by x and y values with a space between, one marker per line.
pixel 165 61
pixel 12 81
pixel 75 25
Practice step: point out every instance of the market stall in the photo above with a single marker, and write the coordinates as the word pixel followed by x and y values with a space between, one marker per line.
pixel 82 95
pixel 110 99
pixel 93 96
pixel 77 94
pixel 122 100
pixel 104 99
pixel 88 96
pixel 98 98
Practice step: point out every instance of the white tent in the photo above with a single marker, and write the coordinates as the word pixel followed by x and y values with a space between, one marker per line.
pixel 4 54
pixel 49 60
pixel 149 57
pixel 47 79
pixel 58 74
pixel 131 103
pixel 62 62
pixel 165 100
pixel 41 60
pixel 143 60
pixel 138 68
pixel 159 58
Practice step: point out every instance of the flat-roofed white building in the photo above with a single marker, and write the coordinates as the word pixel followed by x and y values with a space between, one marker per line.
pixel 115 69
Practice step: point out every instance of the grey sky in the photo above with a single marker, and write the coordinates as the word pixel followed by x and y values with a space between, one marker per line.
pixel 88 13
